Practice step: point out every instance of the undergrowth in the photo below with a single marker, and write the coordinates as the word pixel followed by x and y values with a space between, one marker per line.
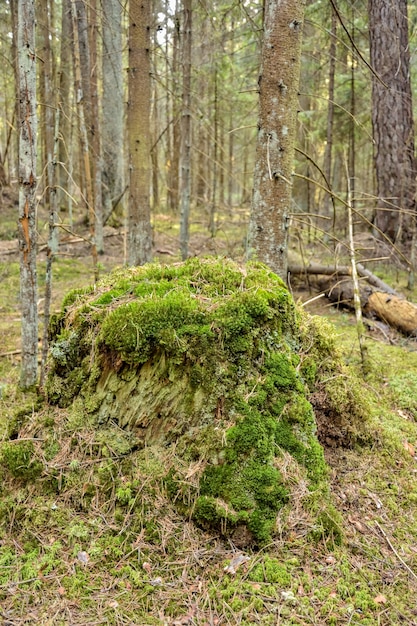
pixel 87 534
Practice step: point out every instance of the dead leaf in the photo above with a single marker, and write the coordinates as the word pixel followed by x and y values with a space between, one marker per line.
pixel 330 559
pixel 409 447
pixel 380 599
pixel 238 560
pixel 357 524
pixel 113 604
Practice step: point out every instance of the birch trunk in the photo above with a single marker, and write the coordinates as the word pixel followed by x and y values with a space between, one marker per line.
pixel 278 99
pixel 27 189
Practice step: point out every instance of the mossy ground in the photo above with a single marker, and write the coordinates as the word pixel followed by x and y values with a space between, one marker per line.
pixel 94 538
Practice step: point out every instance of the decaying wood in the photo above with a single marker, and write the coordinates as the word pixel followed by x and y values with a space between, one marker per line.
pixel 343 270
pixel 390 308
pixel 396 312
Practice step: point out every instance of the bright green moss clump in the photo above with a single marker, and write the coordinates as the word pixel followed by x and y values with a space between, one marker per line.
pixel 211 357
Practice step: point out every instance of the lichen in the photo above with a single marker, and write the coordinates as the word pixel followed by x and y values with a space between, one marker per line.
pixel 211 361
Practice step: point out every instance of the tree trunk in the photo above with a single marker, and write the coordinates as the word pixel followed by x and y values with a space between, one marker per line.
pixel 27 189
pixel 278 93
pixel 113 105
pixel 46 92
pixel 185 159
pixel 327 168
pixel 392 117
pixel 64 90
pixel 139 224
pixel 84 143
pixel 95 153
pixel 176 139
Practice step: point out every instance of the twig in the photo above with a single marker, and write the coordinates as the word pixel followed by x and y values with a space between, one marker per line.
pixel 384 534
pixel 11 353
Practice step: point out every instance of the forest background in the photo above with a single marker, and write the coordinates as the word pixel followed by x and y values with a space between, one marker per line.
pixel 147 120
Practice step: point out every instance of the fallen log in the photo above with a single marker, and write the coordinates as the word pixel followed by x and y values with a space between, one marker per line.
pixel 390 308
pixel 343 270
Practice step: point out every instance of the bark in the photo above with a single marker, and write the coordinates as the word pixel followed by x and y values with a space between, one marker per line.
pixel 185 160
pixel 327 167
pixel 64 88
pixel 95 130
pixel 113 106
pixel 139 86
pixel 278 93
pixel 85 148
pixel 51 248
pixel 27 188
pixel 213 203
pixel 46 98
pixel 391 309
pixel 173 185
pixel 392 117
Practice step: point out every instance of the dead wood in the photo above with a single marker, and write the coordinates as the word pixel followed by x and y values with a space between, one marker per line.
pixel 343 270
pixel 390 308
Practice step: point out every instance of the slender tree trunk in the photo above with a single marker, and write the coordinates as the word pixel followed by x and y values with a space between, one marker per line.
pixel 230 160
pixel 185 160
pixel 139 224
pixel 168 143
pixel 176 137
pixel 352 124
pixel 278 93
pixel 46 91
pixel 64 110
pixel 113 106
pixel 392 116
pixel 95 131
pixel 27 188
pixel 201 182
pixel 213 203
pixel 50 252
pixel 85 149
pixel 330 113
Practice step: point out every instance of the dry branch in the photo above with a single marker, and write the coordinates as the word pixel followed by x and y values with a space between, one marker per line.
pixel 378 299
pixel 343 270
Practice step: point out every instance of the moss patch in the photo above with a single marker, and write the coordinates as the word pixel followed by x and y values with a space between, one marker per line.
pixel 212 361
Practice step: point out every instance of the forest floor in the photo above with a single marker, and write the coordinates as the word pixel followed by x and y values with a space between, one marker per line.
pixel 64 563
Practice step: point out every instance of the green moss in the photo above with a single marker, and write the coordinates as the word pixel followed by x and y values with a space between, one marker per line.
pixel 214 358
pixel 270 570
pixel 19 459
pixel 403 388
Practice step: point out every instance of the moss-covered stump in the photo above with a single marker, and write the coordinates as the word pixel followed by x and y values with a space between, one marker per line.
pixel 210 366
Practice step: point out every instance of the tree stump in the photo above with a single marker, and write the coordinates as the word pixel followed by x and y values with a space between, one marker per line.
pixel 209 365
